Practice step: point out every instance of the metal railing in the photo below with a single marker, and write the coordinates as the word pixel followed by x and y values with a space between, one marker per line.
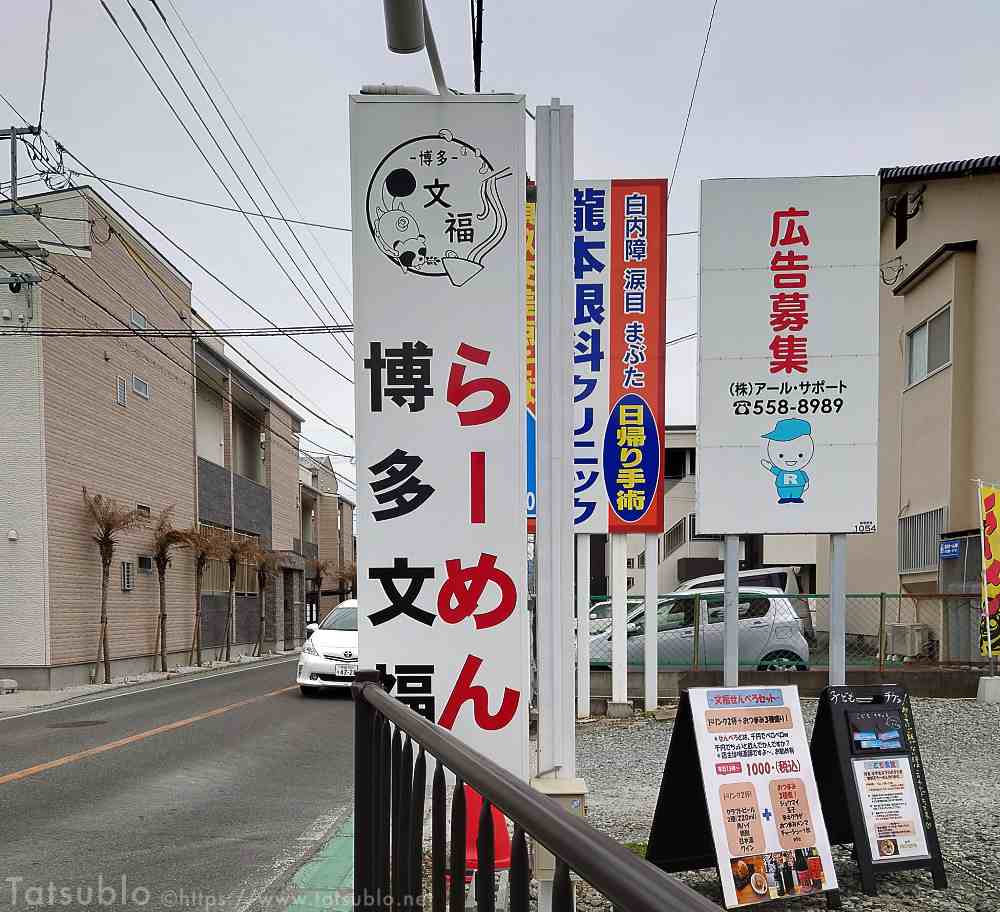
pixel 392 744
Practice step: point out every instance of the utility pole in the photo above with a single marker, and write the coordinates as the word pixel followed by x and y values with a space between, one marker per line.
pixel 12 135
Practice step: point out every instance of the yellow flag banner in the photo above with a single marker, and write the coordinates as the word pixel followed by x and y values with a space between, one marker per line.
pixel 989 625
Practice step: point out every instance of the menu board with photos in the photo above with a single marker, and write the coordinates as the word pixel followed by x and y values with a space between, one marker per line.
pixel 757 814
pixel 871 781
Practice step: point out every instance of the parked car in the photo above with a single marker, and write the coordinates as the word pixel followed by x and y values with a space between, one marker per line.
pixel 782 578
pixel 770 636
pixel 329 656
pixel 600 613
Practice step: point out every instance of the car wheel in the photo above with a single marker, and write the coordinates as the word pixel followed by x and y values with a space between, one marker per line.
pixel 781 661
pixel 307 691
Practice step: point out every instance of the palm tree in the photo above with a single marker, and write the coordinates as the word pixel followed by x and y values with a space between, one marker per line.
pixel 205 546
pixel 109 519
pixel 267 566
pixel 347 576
pixel 316 570
pixel 165 539
pixel 236 552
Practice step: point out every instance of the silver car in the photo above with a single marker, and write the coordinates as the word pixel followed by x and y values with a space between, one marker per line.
pixel 770 635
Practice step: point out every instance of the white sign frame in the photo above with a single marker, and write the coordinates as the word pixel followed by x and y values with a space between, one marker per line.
pixel 773 460
pixel 416 278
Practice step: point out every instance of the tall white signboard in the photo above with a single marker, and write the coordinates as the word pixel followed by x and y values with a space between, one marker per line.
pixel 438 196
pixel 788 355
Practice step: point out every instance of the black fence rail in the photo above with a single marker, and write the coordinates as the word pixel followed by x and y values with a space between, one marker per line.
pixel 393 746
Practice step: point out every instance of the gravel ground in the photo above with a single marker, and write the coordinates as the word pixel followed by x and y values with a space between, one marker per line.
pixel 960 745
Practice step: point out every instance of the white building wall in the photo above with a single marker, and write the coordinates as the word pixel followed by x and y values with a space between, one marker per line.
pixel 24 562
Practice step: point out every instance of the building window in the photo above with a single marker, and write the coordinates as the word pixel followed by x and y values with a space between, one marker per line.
pixel 121 391
pixel 140 387
pixel 128 576
pixel 919 536
pixel 216 577
pixel 143 510
pixel 929 346
pixel 136 318
pixel 145 563
pixel 675 463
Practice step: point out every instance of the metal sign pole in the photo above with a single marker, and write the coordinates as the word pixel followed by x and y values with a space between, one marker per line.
pixel 838 609
pixel 619 640
pixel 731 632
pixel 554 523
pixel 582 626
pixel 650 661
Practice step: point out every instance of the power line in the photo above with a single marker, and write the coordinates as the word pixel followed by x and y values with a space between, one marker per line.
pixel 257 145
pixel 252 332
pixel 202 266
pixel 207 160
pixel 253 168
pixel 45 69
pixel 198 202
pixel 10 105
pixel 132 329
pixel 694 91
pixel 146 271
pixel 226 158
pixel 41 264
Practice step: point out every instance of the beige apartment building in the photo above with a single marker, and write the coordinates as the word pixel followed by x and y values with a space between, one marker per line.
pixel 153 423
pixel 939 384
pixel 327 534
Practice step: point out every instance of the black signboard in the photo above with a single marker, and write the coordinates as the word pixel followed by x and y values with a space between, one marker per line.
pixel 871 781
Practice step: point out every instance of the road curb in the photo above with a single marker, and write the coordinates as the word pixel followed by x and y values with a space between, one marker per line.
pixel 138 686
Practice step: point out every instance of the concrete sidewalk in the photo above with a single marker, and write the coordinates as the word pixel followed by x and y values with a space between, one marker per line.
pixel 26 700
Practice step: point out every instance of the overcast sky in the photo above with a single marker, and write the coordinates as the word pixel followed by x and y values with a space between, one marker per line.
pixel 787 89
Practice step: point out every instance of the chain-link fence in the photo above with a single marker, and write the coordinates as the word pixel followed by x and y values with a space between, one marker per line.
pixel 780 633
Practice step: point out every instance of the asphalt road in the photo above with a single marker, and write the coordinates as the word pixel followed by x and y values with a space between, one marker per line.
pixel 202 794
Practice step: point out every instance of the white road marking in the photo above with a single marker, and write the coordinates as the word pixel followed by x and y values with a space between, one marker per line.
pixel 265 877
pixel 193 679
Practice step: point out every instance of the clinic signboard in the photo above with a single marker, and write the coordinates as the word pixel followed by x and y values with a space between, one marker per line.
pixel 788 355
pixel 619 380
pixel 438 215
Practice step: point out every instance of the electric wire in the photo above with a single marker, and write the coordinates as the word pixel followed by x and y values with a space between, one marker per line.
pixel 159 285
pixel 206 203
pixel 42 265
pixel 694 90
pixel 239 146
pixel 228 161
pixel 250 163
pixel 51 270
pixel 45 68
pixel 207 160
pixel 190 256
pixel 257 146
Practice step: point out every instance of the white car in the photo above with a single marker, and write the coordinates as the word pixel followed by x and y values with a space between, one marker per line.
pixel 329 657
pixel 770 632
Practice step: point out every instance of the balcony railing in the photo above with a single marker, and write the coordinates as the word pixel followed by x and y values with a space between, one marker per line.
pixel 393 746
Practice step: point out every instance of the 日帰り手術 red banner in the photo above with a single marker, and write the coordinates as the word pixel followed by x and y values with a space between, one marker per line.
pixel 619 382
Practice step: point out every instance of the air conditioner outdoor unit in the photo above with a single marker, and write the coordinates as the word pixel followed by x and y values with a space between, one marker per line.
pixel 907 639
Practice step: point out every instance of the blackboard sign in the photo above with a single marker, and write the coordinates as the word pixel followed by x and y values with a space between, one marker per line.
pixel 738 792
pixel 871 781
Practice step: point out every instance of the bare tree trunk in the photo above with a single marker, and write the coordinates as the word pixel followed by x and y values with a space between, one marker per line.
pixel 195 639
pixel 156 645
pixel 162 628
pixel 105 579
pixel 230 621
pixel 262 596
